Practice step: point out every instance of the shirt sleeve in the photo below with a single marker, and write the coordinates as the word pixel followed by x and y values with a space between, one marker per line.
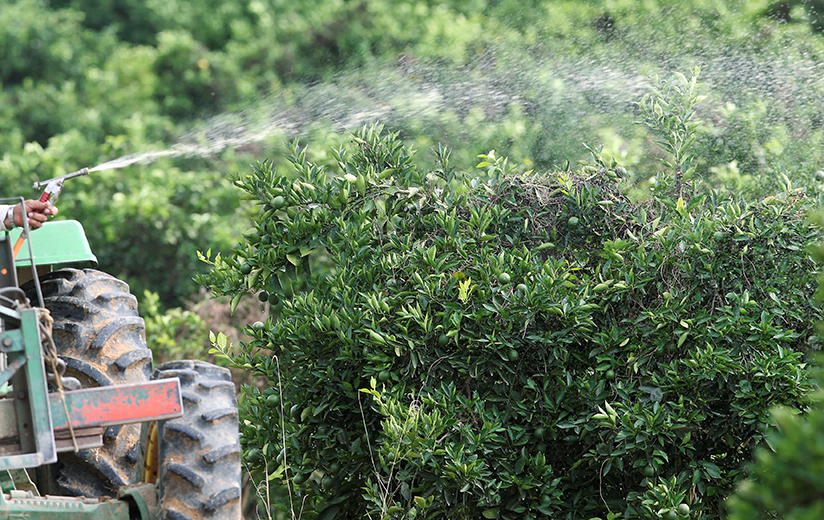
pixel 4 208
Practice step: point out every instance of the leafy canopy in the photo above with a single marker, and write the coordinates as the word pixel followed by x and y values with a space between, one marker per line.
pixel 505 344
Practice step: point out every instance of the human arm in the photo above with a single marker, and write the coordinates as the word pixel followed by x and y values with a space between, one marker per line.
pixel 38 212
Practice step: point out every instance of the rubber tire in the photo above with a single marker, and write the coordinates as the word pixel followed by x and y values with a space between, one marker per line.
pixel 102 339
pixel 199 453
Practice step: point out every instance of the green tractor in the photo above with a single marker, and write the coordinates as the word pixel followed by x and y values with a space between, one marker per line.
pixel 87 428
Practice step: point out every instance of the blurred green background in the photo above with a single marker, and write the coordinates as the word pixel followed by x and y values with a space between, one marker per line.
pixel 219 84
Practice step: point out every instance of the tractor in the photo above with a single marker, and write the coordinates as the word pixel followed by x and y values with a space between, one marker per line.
pixel 88 429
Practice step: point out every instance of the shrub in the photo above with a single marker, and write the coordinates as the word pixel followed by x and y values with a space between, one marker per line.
pixel 174 334
pixel 786 477
pixel 785 480
pixel 509 344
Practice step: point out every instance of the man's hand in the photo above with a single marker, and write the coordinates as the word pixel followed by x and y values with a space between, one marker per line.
pixel 37 212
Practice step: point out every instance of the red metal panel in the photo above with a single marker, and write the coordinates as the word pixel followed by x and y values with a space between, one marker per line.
pixel 110 405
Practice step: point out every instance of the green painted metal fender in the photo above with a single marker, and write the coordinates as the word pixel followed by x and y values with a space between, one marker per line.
pixel 59 243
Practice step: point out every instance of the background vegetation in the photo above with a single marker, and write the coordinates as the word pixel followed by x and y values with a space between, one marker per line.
pixel 229 82
pixel 215 86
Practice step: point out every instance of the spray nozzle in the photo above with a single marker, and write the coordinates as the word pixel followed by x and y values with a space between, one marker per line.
pixel 78 173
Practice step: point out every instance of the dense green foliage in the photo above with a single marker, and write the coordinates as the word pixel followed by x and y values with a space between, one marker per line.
pixel 86 82
pixel 221 83
pixel 786 478
pixel 450 344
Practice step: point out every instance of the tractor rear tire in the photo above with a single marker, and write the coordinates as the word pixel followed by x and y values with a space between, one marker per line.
pixel 102 339
pixel 199 453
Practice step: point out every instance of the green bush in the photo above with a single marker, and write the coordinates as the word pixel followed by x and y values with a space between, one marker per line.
pixel 787 475
pixel 506 344
pixel 785 480
pixel 174 334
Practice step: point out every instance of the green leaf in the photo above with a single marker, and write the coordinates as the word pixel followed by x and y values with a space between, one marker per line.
pixel 235 301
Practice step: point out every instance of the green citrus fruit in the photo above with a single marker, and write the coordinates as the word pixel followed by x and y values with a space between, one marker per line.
pixel 718 235
pixel 273 399
pixel 245 268
pixel 385 376
pixel 258 325
pixel 504 278
pixel 621 171
pixel 263 296
pixel 513 354
pixel 683 509
pixel 274 299
pixel 573 222
pixel 671 515
pixel 610 374
pixel 300 478
pixel 649 471
pixel 278 202
pixel 521 288
pixel 540 433
pixel 443 339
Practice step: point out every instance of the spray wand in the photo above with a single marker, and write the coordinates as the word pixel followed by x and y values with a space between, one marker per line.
pixel 52 190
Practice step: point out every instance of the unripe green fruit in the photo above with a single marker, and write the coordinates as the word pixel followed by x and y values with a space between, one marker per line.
pixel 278 202
pixel 573 222
pixel 245 268
pixel 443 339
pixel 621 171
pixel 504 278
pixel 274 299
pixel 683 509
pixel 513 354
pixel 258 325
pixel 263 296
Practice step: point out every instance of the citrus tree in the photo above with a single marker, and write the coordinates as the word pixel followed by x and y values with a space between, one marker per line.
pixel 503 344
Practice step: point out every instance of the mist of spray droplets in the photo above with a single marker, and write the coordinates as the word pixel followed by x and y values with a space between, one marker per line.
pixel 553 93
